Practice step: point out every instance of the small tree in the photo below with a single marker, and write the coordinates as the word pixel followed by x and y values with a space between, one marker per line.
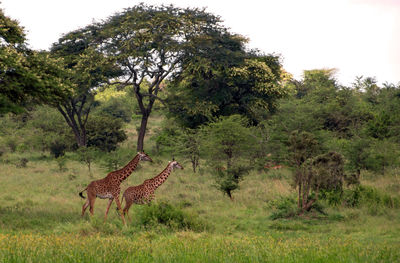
pixel 302 146
pixel 225 145
pixel 188 145
pixel 87 155
pixel 322 173
pixel 86 69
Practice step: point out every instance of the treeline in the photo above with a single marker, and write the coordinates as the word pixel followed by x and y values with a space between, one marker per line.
pixel 226 108
pixel 327 133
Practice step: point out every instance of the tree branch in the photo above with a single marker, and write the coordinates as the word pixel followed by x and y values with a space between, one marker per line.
pixel 155 97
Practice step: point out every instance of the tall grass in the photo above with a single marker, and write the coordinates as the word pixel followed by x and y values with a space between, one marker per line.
pixel 190 220
pixel 189 247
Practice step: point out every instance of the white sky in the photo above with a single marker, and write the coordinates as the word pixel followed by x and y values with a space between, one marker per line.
pixel 357 37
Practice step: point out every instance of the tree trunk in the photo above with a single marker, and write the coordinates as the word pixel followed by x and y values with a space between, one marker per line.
pixel 194 166
pixel 229 193
pixel 142 132
pixel 299 182
pixel 195 163
pixel 299 201
pixel 78 130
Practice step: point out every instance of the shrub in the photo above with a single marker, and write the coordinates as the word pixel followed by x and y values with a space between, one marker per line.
pixel 116 107
pixel 57 149
pixel 87 155
pixel 61 163
pixel 11 142
pixel 104 133
pixel 285 207
pixel 171 216
pixel 369 196
pixel 22 163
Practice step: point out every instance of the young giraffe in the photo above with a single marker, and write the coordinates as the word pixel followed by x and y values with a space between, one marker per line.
pixel 144 193
pixel 109 187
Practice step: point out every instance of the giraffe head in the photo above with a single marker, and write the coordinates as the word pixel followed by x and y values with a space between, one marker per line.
pixel 144 157
pixel 174 164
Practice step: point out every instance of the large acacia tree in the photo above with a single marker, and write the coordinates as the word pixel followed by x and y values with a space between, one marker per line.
pixel 151 44
pixel 86 69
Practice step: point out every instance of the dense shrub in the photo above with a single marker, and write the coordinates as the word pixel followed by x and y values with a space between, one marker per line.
pixel 104 132
pixel 116 108
pixel 57 149
pixel 369 196
pixel 171 216
pixel 284 207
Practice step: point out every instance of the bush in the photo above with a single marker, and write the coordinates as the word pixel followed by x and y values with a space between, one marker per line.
pixel 369 196
pixel 12 144
pixel 57 149
pixel 104 133
pixel 171 216
pixel 61 163
pixel 22 163
pixel 116 107
pixel 285 207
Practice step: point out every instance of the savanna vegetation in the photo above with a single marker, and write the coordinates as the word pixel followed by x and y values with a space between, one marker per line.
pixel 277 169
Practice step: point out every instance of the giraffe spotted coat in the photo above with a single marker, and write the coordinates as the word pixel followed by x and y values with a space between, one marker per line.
pixel 144 193
pixel 109 187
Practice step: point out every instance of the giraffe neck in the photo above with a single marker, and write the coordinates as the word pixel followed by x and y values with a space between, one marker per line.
pixel 161 178
pixel 129 168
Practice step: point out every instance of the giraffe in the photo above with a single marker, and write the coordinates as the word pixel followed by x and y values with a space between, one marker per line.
pixel 144 193
pixel 109 187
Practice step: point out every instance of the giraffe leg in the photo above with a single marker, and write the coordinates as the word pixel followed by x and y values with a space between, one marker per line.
pixel 108 208
pixel 85 206
pixel 126 209
pixel 119 208
pixel 91 199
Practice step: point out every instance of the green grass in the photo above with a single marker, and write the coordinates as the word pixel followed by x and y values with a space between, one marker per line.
pixel 40 219
pixel 190 247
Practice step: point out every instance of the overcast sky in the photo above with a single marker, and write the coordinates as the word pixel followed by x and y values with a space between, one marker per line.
pixel 357 37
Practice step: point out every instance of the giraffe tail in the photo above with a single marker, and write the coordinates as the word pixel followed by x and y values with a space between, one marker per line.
pixel 81 195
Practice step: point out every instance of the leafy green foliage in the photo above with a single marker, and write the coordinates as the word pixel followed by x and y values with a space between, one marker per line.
pixel 171 216
pixel 155 43
pixel 105 133
pixel 116 107
pixel 362 195
pixel 323 173
pixel 26 77
pixel 225 145
pixel 87 155
pixel 57 149
pixel 284 207
pixel 87 70
pixel 249 87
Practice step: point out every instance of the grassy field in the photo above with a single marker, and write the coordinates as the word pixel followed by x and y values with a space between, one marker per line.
pixel 40 219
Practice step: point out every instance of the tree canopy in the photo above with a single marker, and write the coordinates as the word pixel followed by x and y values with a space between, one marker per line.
pixel 247 83
pixel 86 70
pixel 26 76
pixel 152 43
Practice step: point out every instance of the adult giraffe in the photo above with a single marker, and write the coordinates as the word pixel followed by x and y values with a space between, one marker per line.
pixel 144 193
pixel 109 187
